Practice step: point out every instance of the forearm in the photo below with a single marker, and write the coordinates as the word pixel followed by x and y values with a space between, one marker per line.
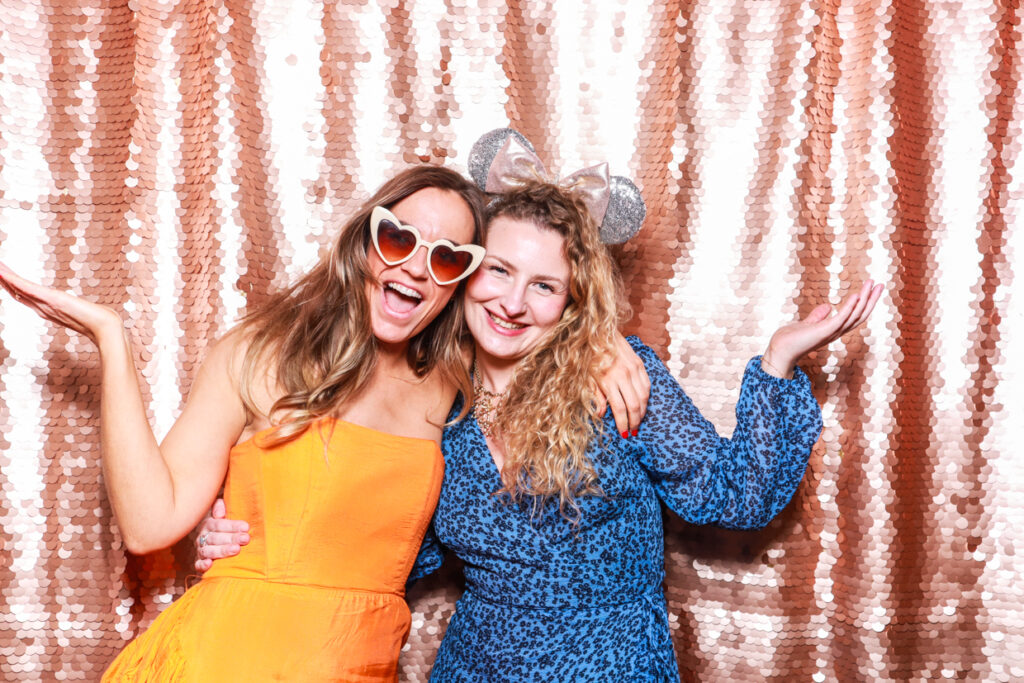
pixel 778 421
pixel 137 478
pixel 739 482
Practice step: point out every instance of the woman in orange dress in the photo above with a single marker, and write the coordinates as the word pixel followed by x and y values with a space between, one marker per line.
pixel 323 409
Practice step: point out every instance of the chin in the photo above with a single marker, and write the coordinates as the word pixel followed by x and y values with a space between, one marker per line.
pixel 502 351
pixel 387 333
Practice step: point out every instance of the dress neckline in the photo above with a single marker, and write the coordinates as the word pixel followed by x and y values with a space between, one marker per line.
pixel 338 421
pixel 486 458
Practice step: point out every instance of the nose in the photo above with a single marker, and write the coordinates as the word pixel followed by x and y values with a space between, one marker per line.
pixel 417 265
pixel 513 302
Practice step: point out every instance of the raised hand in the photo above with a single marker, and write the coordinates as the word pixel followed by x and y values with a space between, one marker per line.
pixel 821 327
pixel 87 318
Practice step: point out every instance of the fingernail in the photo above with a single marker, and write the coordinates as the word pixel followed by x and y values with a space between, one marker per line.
pixel 625 435
pixel 635 432
pixel 245 538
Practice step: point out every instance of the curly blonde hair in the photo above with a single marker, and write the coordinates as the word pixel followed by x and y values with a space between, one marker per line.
pixel 550 413
pixel 316 334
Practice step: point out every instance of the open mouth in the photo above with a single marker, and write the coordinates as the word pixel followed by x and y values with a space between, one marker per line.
pixel 401 299
pixel 505 324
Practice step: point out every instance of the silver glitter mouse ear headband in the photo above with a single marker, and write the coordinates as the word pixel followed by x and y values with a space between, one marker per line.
pixel 503 160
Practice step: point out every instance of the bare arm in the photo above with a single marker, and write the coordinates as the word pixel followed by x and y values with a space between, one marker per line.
pixel 158 491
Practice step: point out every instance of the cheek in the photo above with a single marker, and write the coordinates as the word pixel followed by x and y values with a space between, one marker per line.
pixel 374 264
pixel 549 311
pixel 442 295
pixel 480 288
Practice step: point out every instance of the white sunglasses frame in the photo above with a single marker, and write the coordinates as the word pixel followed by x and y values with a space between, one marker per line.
pixel 379 214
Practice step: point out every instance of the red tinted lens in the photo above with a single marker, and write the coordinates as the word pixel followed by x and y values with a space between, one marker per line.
pixel 449 264
pixel 395 243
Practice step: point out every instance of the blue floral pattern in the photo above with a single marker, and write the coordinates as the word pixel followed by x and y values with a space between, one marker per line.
pixel 547 600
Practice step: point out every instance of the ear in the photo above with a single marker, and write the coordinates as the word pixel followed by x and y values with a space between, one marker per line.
pixel 626 211
pixel 485 149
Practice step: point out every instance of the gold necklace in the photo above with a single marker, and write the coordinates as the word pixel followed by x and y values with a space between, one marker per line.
pixel 485 404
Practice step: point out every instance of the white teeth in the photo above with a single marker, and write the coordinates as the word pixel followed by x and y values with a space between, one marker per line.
pixel 508 325
pixel 402 289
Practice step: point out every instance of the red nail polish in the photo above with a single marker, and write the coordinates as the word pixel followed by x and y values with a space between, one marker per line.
pixel 635 432
pixel 625 435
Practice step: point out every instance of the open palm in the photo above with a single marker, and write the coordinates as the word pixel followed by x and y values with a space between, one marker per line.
pixel 84 317
pixel 821 327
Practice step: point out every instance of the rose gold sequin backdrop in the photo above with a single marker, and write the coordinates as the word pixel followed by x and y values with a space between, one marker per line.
pixel 175 160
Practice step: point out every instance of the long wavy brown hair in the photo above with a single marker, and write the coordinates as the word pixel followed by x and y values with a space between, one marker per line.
pixel 315 335
pixel 550 413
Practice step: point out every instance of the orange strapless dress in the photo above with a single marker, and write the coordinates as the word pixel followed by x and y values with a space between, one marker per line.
pixel 318 593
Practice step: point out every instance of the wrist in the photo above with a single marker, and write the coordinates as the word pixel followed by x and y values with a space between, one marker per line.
pixel 777 367
pixel 111 337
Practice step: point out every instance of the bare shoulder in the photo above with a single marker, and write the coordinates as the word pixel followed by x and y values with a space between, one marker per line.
pixel 442 396
pixel 214 413
pixel 224 364
pixel 438 393
pixel 255 385
pixel 227 352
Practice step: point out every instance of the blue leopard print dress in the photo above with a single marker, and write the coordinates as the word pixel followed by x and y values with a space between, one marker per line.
pixel 549 601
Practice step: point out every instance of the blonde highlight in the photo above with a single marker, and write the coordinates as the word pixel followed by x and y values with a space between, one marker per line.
pixel 551 412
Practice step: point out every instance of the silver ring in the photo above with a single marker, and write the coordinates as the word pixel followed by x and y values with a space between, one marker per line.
pixel 202 540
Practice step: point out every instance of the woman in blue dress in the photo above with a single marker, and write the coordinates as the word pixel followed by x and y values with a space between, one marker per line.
pixel 556 515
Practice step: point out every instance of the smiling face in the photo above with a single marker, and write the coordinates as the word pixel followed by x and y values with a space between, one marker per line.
pixel 519 292
pixel 404 299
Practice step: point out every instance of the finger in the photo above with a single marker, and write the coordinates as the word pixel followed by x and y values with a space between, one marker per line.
pixel 849 305
pixel 52 304
pixel 619 412
pixel 222 538
pixel 869 297
pixel 214 526
pixel 632 402
pixel 202 565
pixel 11 289
pixel 207 542
pixel 875 294
pixel 862 301
pixel 216 552
pixel 21 295
pixel 642 387
pixel 827 331
pixel 219 509
pixel 848 324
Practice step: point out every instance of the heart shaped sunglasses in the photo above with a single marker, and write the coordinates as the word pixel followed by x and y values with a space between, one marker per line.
pixel 396 243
